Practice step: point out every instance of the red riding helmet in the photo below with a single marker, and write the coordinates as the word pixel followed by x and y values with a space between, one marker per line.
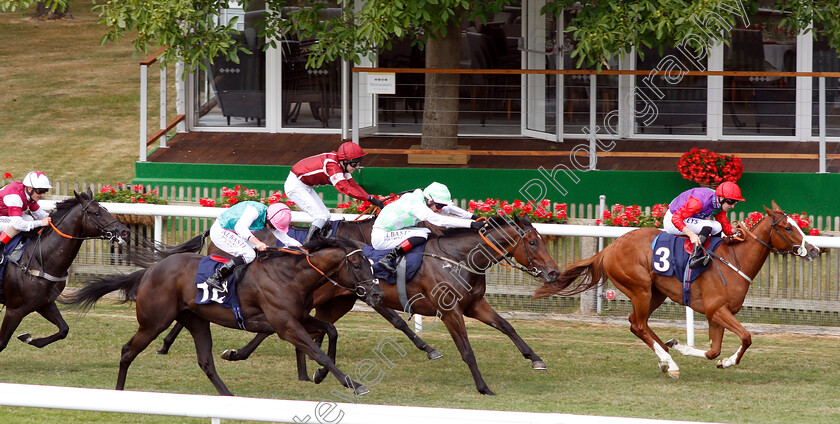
pixel 349 151
pixel 729 190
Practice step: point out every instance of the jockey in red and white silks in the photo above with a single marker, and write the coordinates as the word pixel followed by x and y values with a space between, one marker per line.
pixel 331 168
pixel 19 208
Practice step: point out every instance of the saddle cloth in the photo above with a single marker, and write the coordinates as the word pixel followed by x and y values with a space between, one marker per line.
pixel 413 258
pixel 207 266
pixel 13 250
pixel 671 254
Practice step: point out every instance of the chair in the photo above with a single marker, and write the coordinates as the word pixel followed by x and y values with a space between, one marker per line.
pixel 239 87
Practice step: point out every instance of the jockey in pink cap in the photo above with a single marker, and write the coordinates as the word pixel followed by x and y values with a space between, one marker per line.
pixel 18 198
pixel 233 233
pixel 700 212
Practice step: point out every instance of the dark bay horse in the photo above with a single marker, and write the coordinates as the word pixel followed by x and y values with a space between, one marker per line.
pixel 34 282
pixel 627 262
pixel 328 297
pixel 450 285
pixel 275 295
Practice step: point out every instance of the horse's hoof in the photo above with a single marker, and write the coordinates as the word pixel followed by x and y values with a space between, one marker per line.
pixel 25 337
pixel 434 354
pixel 228 354
pixel 672 343
pixel 361 390
pixel 664 367
pixel 319 375
pixel 162 352
pixel 720 363
pixel 487 392
pixel 538 365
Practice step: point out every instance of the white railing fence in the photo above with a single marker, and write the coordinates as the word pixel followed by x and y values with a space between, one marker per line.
pixel 276 410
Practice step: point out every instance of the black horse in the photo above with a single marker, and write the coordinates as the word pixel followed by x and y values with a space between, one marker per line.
pixel 33 283
pixel 275 295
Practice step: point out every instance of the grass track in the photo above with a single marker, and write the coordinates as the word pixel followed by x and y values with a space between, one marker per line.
pixel 593 369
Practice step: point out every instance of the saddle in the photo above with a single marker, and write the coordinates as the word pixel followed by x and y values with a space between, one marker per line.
pixel 670 258
pixel 206 267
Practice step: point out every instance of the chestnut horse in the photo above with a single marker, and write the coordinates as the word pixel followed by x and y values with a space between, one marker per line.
pixel 33 283
pixel 275 294
pixel 328 297
pixel 718 293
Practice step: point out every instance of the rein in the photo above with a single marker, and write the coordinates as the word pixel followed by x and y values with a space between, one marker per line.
pixel 794 248
pixel 510 264
pixel 359 290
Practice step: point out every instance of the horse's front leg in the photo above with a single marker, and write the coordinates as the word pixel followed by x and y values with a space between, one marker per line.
pixel 396 320
pixel 292 331
pixel 246 351
pixel 725 318
pixel 454 322
pixel 322 328
pixel 51 313
pixel 715 337
pixel 485 313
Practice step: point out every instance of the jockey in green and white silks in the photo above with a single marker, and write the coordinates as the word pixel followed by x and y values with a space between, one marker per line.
pixel 233 233
pixel 395 229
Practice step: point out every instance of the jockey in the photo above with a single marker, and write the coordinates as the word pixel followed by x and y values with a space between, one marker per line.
pixel 335 168
pixel 233 232
pixel 700 212
pixel 17 198
pixel 394 227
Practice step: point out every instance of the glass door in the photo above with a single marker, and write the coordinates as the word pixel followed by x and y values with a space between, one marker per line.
pixel 541 114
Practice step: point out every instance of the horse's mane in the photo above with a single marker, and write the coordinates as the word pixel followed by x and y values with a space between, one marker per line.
pixel 493 221
pixel 64 206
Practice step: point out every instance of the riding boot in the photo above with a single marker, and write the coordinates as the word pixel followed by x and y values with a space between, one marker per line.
pixel 699 257
pixel 389 261
pixel 215 280
pixel 316 225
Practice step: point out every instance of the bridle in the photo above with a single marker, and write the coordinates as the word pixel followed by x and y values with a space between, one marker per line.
pixel 358 288
pixel 795 249
pixel 104 233
pixel 532 269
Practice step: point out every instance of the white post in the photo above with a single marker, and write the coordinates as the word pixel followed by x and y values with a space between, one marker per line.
pixel 159 228
pixel 418 323
pixel 345 100
pixel 689 326
pixel 822 125
pixel 356 105
pixel 144 70
pixel 162 103
pixel 602 205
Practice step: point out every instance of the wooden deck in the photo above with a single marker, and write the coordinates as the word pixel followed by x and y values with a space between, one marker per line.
pixel 512 153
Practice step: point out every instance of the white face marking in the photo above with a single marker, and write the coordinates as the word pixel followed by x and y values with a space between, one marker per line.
pixel 802 251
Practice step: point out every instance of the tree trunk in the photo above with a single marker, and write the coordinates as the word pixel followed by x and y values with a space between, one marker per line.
pixel 440 114
pixel 43 13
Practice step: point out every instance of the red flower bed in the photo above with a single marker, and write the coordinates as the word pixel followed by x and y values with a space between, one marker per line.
pixel 704 166
pixel 632 216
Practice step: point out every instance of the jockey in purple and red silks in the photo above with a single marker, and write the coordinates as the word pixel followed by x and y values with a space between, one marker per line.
pixel 18 198
pixel 700 212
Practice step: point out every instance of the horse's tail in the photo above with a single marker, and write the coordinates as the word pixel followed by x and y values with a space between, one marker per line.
pixel 591 271
pixel 151 252
pixel 85 297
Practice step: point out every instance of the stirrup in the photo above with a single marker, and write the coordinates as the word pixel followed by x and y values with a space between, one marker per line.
pixel 389 266
pixel 699 261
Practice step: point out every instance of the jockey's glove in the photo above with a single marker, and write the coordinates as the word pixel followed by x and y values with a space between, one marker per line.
pixel 376 202
pixel 477 225
pixel 474 217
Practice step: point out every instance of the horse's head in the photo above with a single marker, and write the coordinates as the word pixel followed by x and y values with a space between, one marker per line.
pixel 786 236
pixel 352 270
pixel 97 221
pixel 526 246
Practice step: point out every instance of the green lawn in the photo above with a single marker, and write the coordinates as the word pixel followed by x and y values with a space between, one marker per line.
pixel 593 369
pixel 69 107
